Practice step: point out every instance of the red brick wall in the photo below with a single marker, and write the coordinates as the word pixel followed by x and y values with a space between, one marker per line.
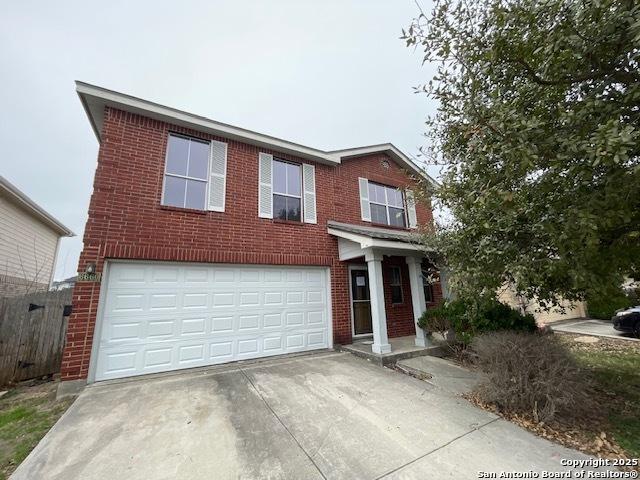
pixel 399 316
pixel 126 220
pixel 347 192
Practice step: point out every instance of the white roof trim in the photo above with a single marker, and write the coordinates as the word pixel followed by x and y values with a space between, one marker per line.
pixel 94 99
pixel 391 150
pixel 19 197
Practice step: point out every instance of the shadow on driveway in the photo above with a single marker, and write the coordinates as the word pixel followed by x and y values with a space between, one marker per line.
pixel 328 415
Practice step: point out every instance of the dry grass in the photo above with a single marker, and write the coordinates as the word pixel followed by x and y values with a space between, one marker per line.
pixel 531 374
pixel 611 427
pixel 27 412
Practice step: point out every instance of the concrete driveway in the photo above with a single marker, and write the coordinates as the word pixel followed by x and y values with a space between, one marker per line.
pixel 328 415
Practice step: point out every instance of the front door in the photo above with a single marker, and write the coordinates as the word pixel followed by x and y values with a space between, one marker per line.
pixel 360 302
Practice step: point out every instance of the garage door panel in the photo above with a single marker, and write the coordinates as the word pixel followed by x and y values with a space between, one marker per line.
pixel 316 297
pixel 164 275
pixel 294 319
pixel 315 318
pixel 249 299
pixel 316 338
pixel 294 341
pixel 160 317
pixel 250 275
pixel 196 300
pixel 193 326
pixel 159 328
pixel 274 298
pixel 126 331
pixel 129 275
pixel 194 276
pixel 221 324
pixel 155 357
pixel 222 351
pixel 191 354
pixel 294 276
pixel 163 301
pixel 158 357
pixel 190 323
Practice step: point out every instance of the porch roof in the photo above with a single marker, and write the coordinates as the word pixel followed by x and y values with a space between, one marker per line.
pixel 354 239
pixel 373 232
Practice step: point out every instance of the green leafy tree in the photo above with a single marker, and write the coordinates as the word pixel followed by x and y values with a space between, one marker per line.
pixel 537 130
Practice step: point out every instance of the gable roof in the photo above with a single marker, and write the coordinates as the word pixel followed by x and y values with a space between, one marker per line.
pixel 94 100
pixel 17 196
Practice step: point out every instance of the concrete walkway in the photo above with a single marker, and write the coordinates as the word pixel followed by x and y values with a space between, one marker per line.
pixel 442 374
pixel 598 328
pixel 328 415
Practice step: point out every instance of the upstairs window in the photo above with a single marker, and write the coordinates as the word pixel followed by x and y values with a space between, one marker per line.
pixel 396 285
pixel 186 173
pixel 287 191
pixel 387 205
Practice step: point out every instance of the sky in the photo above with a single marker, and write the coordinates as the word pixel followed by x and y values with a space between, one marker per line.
pixel 330 74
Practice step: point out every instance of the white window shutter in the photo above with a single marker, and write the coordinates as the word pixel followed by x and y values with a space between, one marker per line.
pixel 309 192
pixel 411 209
pixel 265 185
pixel 365 208
pixel 218 176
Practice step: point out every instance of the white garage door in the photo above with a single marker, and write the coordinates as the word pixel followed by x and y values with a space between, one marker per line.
pixel 166 316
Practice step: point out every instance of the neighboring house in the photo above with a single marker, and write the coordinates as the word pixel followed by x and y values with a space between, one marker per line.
pixel 29 239
pixel 64 284
pixel 543 316
pixel 216 244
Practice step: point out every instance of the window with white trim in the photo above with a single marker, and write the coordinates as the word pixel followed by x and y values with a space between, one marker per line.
pixel 427 286
pixel 186 172
pixel 387 205
pixel 396 285
pixel 287 191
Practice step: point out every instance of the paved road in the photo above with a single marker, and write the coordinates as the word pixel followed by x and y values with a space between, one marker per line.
pixel 328 415
pixel 598 328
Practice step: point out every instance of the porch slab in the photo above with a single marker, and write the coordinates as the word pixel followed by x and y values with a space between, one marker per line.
pixel 401 348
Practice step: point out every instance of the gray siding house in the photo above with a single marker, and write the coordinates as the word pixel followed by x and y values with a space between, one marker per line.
pixel 29 240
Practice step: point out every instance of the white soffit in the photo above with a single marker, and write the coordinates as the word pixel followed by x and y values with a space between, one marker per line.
pixel 94 100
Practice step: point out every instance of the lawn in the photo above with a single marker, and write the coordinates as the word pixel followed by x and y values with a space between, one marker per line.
pixel 27 412
pixel 616 370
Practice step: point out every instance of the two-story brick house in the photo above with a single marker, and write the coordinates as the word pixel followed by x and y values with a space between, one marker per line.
pixel 216 244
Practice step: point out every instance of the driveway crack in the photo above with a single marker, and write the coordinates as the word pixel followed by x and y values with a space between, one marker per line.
pixel 264 400
pixel 437 448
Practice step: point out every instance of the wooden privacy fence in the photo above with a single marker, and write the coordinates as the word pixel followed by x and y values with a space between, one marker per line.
pixel 32 334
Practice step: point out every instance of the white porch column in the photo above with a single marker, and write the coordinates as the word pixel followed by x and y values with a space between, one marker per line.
pixel 376 293
pixel 417 298
pixel 444 283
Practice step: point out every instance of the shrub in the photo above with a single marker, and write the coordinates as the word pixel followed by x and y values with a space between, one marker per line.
pixel 436 319
pixel 633 294
pixel 470 318
pixel 604 306
pixel 531 374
